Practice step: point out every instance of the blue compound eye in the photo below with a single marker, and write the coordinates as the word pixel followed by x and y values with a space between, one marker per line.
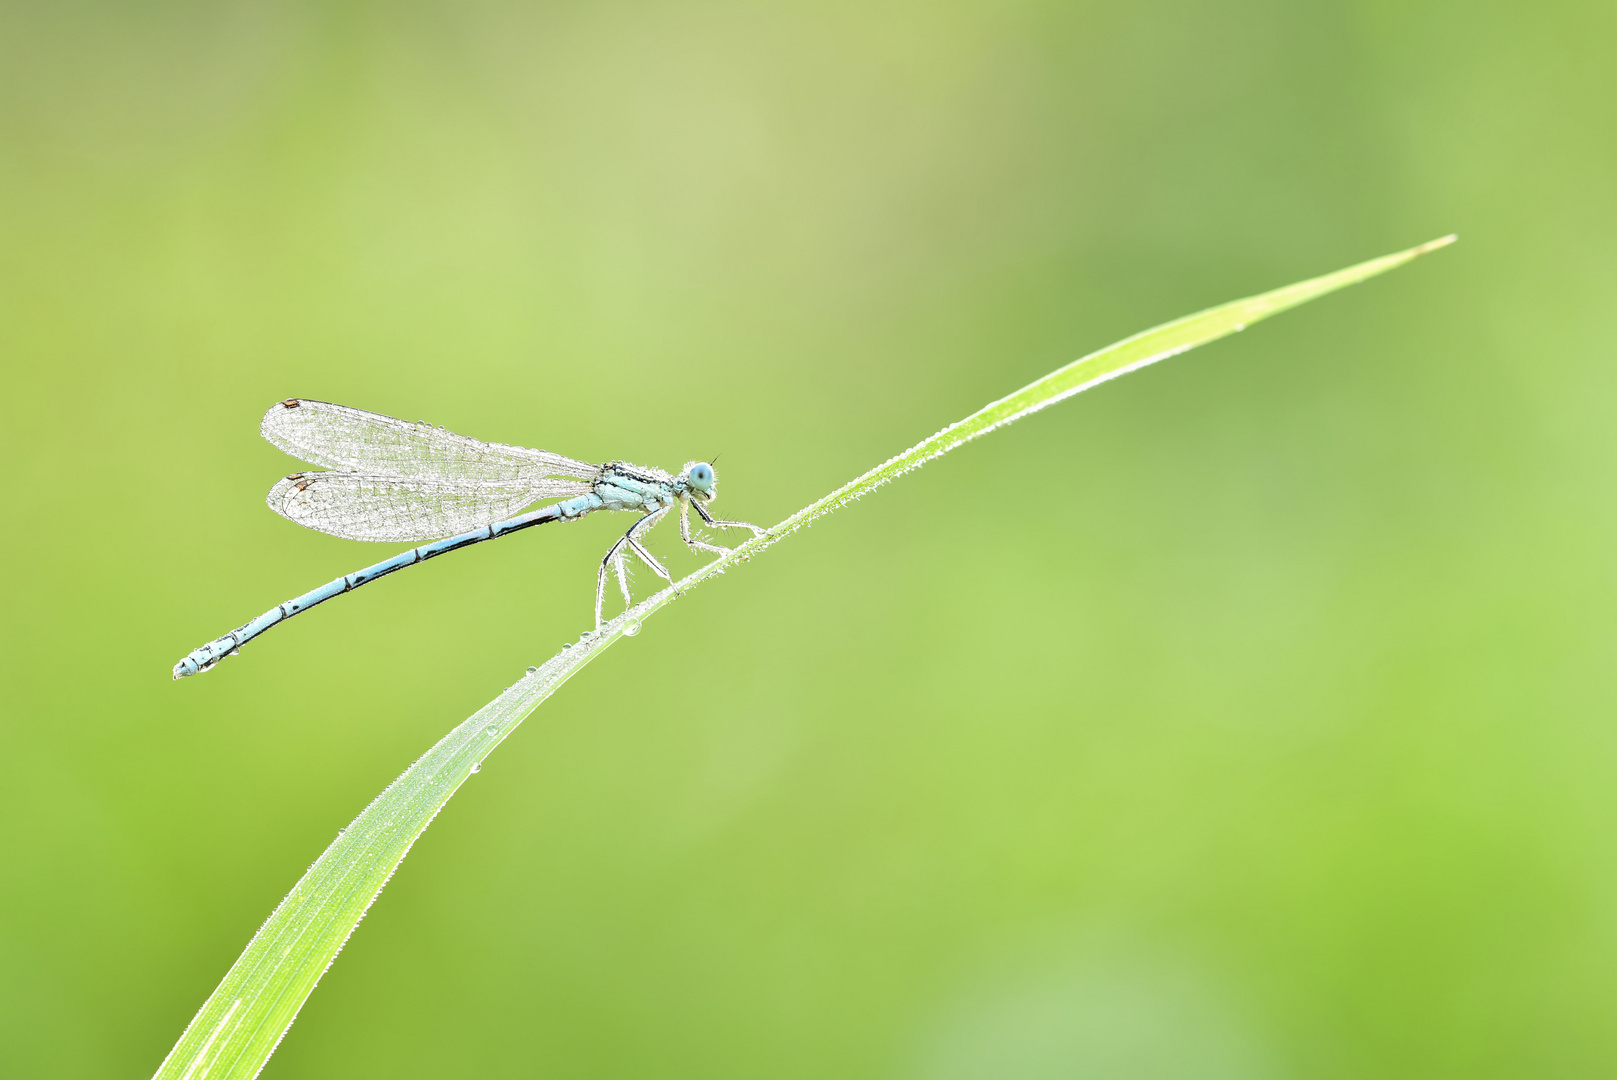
pixel 701 476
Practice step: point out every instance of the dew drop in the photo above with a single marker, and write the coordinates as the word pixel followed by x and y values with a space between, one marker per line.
pixel 477 766
pixel 531 670
pixel 630 629
pixel 491 730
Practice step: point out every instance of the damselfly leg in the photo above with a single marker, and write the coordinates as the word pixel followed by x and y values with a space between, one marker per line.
pixel 709 519
pixel 614 558
pixel 692 542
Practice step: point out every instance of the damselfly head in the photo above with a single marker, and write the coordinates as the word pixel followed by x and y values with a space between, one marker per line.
pixel 700 476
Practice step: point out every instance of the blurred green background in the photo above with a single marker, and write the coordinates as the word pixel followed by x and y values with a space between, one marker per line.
pixel 1251 717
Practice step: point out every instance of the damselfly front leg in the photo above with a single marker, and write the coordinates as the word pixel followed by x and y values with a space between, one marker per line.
pixel 709 519
pixel 685 532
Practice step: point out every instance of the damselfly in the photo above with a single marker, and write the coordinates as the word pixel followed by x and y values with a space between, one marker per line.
pixel 391 480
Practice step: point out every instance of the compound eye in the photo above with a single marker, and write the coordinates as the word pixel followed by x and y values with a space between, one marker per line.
pixel 701 475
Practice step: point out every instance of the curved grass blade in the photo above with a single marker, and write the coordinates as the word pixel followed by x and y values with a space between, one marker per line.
pixel 239 1026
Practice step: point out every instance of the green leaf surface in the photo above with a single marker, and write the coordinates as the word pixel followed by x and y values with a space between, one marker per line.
pixel 241 1023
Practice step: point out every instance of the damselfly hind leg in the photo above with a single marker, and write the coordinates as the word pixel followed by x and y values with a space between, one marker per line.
pixel 600 584
pixel 621 565
pixel 614 558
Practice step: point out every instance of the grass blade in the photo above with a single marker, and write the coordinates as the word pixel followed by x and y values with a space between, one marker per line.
pixel 239 1026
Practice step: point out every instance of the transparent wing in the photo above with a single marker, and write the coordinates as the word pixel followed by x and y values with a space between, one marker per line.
pixel 342 438
pixel 364 506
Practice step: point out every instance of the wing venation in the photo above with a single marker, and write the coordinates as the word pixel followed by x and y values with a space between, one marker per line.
pixel 369 506
pixel 338 437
